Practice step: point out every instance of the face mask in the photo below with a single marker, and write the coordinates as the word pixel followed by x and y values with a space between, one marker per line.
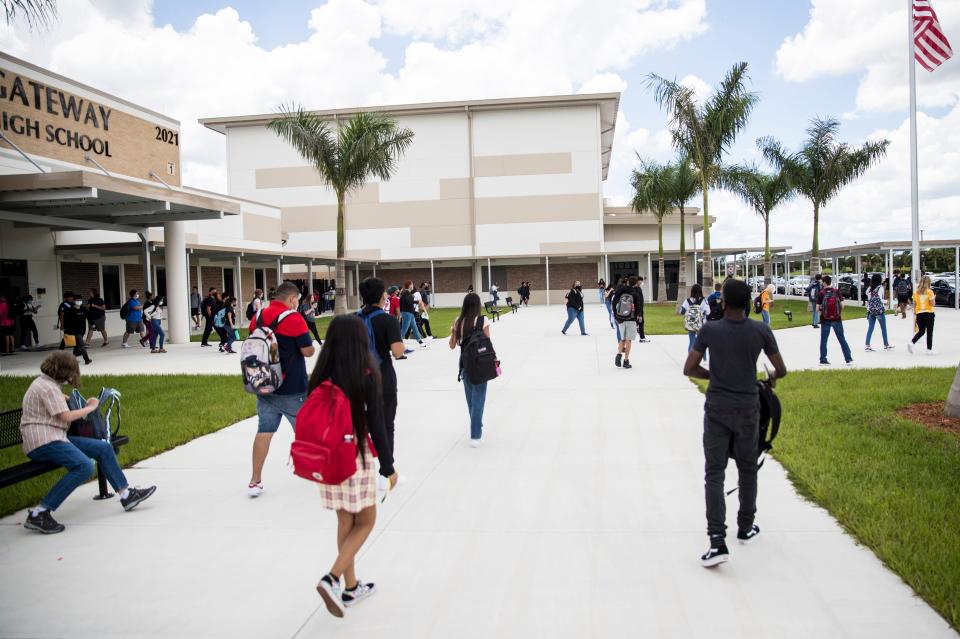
pixel 77 303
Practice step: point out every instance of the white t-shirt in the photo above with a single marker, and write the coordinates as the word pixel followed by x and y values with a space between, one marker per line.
pixel 704 307
pixel 257 304
pixel 417 298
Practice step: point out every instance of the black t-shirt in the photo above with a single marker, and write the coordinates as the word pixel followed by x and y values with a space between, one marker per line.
pixel 373 415
pixel 95 313
pixel 734 347
pixel 386 331
pixel 575 299
pixel 75 320
pixel 406 302
pixel 209 306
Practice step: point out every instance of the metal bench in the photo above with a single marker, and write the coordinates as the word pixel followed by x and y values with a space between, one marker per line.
pixel 491 309
pixel 513 307
pixel 10 436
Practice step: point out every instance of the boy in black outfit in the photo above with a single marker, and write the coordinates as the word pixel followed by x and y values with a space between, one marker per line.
pixel 627 323
pixel 387 343
pixel 731 411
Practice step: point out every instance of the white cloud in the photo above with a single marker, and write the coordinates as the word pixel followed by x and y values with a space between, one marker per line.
pixel 459 49
pixel 701 90
pixel 857 36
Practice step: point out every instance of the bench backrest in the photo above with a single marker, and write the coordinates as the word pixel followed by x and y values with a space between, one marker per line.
pixel 509 301
pixel 488 305
pixel 10 428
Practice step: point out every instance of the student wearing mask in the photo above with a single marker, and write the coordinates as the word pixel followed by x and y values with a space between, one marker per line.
pixel 153 313
pixel 407 310
pixel 876 312
pixel 195 308
pixel 293 340
pixel 813 294
pixel 830 303
pixel 230 324
pixel 134 318
pixel 28 328
pixel 731 411
pixel 97 317
pixel 74 328
pixel 625 312
pixel 640 323
pixel 574 299
pixel 208 308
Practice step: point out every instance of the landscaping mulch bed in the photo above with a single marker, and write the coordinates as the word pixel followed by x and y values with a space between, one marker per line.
pixel 931 415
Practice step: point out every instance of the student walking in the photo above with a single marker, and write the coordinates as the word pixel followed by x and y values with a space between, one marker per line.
pixel 423 312
pixel 695 310
pixel 230 326
pixel 462 330
pixel 608 294
pixel 133 318
pixel 876 312
pixel 309 315
pixel 903 289
pixel 220 322
pixel 813 294
pixel 924 301
pixel 383 331
pixel 28 328
pixel 195 308
pixel 7 326
pixel 74 328
pixel 208 309
pixel 830 303
pixel 766 301
pixel 641 332
pixel 602 290
pixel 407 310
pixel 625 304
pixel 574 299
pixel 43 428
pixel 345 365
pixel 293 342
pixel 97 317
pixel 731 412
pixel 153 313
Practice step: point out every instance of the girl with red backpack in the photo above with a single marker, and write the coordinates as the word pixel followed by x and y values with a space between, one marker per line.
pixel 345 390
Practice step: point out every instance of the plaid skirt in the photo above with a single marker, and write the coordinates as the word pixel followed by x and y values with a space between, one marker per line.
pixel 355 494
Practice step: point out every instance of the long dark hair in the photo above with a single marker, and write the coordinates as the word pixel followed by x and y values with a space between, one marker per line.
pixel 345 360
pixel 875 280
pixel 469 313
pixel 696 293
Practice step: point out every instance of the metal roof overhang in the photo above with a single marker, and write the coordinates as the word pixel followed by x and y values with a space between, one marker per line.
pixel 83 200
pixel 876 247
pixel 135 249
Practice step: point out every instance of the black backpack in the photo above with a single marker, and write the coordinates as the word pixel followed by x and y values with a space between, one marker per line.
pixel 769 423
pixel 716 309
pixel 478 360
pixel 250 311
pixel 758 304
pixel 125 310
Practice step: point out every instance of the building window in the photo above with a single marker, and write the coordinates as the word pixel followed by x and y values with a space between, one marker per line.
pixel 258 279
pixel 13 278
pixel 112 291
pixel 161 283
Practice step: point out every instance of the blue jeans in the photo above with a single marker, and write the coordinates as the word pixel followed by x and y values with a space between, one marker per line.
pixel 231 336
pixel 270 408
pixel 766 317
pixel 476 397
pixel 408 321
pixel 871 321
pixel 573 314
pixel 837 327
pixel 157 332
pixel 75 456
pixel 816 315
pixel 610 310
pixel 691 338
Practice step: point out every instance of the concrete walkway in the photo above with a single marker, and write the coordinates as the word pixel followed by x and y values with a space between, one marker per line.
pixel 577 518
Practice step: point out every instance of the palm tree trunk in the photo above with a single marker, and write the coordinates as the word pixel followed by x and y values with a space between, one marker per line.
pixel 707 274
pixel 952 408
pixel 683 256
pixel 815 252
pixel 767 264
pixel 661 279
pixel 340 305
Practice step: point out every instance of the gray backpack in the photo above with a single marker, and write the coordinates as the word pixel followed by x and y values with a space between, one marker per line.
pixel 96 424
pixel 626 309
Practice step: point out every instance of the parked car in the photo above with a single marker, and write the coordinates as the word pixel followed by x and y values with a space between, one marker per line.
pixel 799 284
pixel 847 285
pixel 945 291
pixel 781 285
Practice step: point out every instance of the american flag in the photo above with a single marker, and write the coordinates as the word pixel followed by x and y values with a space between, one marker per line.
pixel 932 47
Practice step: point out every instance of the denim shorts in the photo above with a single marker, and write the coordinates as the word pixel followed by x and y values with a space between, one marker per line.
pixel 270 408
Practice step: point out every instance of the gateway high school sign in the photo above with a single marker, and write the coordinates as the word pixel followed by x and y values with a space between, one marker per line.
pixel 52 117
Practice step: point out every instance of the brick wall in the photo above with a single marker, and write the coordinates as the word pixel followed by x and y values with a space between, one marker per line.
pixel 133 278
pixel 533 273
pixel 448 280
pixel 270 278
pixel 453 279
pixel 211 276
pixel 80 277
pixel 248 282
pixel 563 274
pixel 193 275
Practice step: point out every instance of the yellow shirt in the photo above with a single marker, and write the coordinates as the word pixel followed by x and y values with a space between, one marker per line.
pixel 924 303
pixel 765 300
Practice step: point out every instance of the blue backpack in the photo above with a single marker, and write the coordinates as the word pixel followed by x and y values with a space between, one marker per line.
pixel 368 322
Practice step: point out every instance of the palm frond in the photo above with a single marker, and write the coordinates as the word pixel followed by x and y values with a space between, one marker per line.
pixel 311 137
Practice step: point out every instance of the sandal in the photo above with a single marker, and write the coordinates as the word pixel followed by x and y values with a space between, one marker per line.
pixel 162 350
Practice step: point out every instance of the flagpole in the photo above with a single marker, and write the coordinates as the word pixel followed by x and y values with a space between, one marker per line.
pixel 914 199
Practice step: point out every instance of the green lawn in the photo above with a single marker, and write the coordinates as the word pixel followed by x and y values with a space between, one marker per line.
pixel 892 483
pixel 159 413
pixel 440 321
pixel 662 319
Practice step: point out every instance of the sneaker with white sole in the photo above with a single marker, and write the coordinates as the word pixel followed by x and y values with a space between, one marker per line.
pixel 254 490
pixel 332 595
pixel 910 347
pixel 124 345
pixel 475 443
pixel 716 554
pixel 889 347
pixel 868 348
pixel 750 535
pixel 358 594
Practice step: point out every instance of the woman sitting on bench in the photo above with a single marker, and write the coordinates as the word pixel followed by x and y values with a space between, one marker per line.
pixel 43 427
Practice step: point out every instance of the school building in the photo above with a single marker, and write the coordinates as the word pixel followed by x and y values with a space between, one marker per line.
pixel 505 190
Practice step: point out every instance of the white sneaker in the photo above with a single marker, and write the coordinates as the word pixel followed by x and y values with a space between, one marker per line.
pixel 475 443
pixel 424 345
pixel 254 490
pixel 910 347
pixel 332 595
pixel 124 345
pixel 931 352
pixel 358 594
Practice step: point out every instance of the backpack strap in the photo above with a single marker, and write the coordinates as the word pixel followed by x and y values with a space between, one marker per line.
pixel 276 321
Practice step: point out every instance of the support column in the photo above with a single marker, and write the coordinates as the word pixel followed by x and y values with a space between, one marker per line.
pixel 310 279
pixel 279 271
pixel 357 282
pixel 238 283
pixel 856 267
pixel 489 275
pixel 606 268
pixel 956 277
pixel 890 277
pixel 547 258
pixel 433 290
pixel 178 284
pixel 147 267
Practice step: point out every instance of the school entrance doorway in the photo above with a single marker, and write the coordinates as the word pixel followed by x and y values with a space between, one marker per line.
pixel 622 269
pixel 671 272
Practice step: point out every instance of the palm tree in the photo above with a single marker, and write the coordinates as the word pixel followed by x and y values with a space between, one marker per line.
pixel 684 184
pixel 652 194
pixel 34 12
pixel 345 156
pixel 704 132
pixel 821 168
pixel 763 192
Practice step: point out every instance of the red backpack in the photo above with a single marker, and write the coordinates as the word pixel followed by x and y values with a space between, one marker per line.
pixel 831 305
pixel 324 449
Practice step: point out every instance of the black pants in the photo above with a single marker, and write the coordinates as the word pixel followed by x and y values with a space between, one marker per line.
pixel 425 327
pixel 312 325
pixel 725 430
pixel 640 332
pixel 28 328
pixel 389 415
pixel 222 332
pixel 207 328
pixel 80 349
pixel 925 325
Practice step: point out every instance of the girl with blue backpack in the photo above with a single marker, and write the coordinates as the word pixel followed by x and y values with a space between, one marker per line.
pixel 876 312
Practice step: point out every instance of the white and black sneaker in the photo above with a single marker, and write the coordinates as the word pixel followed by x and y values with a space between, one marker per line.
pixel 358 594
pixel 618 360
pixel 43 522
pixel 716 554
pixel 331 593
pixel 750 535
